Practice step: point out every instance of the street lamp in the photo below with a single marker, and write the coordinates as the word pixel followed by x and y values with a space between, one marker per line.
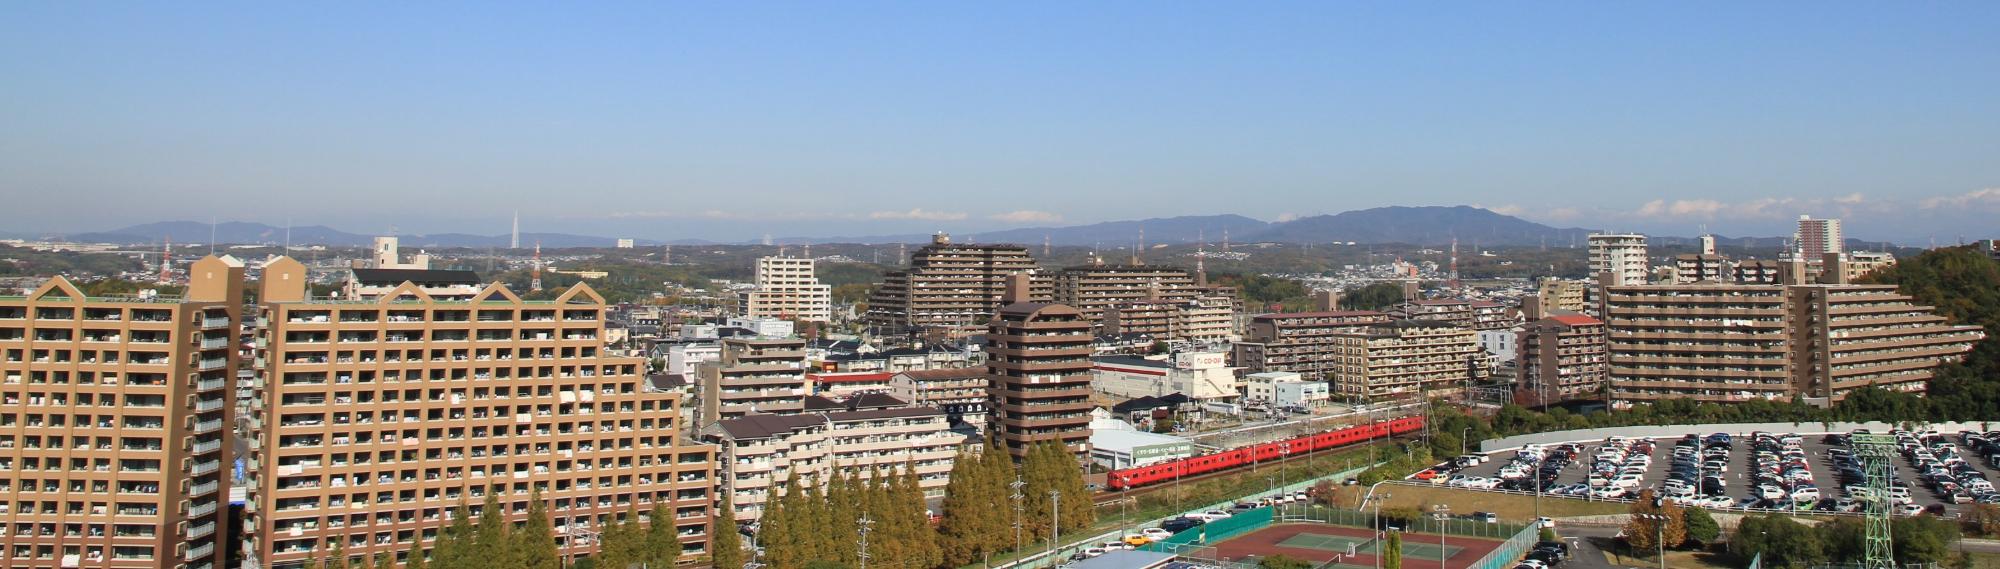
pixel 1443 511
pixel 1660 535
pixel 1378 500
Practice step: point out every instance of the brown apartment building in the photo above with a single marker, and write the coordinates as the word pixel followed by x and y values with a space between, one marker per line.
pixel 377 417
pixel 1562 358
pixel 1731 342
pixel 755 375
pixel 1405 359
pixel 1038 359
pixel 950 289
pixel 113 446
pixel 1298 342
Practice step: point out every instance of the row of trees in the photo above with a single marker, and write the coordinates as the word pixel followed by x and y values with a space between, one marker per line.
pixel 820 526
pixel 1785 542
pixel 491 542
pixel 1663 522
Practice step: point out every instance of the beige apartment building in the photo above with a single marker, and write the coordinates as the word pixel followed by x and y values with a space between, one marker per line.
pixel 377 418
pixel 1734 342
pixel 1405 359
pixel 1562 358
pixel 1298 342
pixel 1207 318
pixel 950 289
pixel 960 393
pixel 1038 363
pixel 1559 294
pixel 113 432
pixel 760 452
pixel 755 375
pixel 787 289
pixel 1095 288
pixel 1619 259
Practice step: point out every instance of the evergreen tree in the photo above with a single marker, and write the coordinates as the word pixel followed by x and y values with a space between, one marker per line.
pixel 339 554
pixel 454 544
pixel 415 558
pixel 831 513
pixel 922 550
pixel 724 547
pixel 1041 477
pixel 1701 527
pixel 622 542
pixel 776 529
pixel 492 545
pixel 535 543
pixel 663 540
pixel 1392 551
pixel 976 510
pixel 385 561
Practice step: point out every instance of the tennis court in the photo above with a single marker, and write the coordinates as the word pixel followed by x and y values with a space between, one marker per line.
pixel 1328 546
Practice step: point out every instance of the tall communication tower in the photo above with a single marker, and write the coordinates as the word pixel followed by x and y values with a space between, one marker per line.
pixel 1878 453
pixel 167 260
pixel 536 283
pixel 1454 264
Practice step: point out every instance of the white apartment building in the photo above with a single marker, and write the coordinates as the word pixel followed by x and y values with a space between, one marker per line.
pixel 1619 258
pixel 787 289
pixel 1279 389
pixel 760 452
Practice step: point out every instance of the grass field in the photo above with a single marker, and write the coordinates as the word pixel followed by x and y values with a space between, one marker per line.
pixel 1510 507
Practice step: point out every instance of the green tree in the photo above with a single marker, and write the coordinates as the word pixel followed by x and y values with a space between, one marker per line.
pixel 1923 539
pixel 1548 534
pixel 414 558
pixel 1701 527
pixel 973 525
pixel 1784 542
pixel 454 544
pixel 663 540
pixel 384 561
pixel 339 557
pixel 724 547
pixel 1282 561
pixel 535 543
pixel 623 542
pixel 1654 523
pixel 917 543
pixel 1392 551
pixel 492 541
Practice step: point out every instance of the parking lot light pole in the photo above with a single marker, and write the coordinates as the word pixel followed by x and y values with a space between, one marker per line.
pixel 1443 511
pixel 1660 533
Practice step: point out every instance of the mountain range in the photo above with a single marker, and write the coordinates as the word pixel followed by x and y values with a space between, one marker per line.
pixel 1427 226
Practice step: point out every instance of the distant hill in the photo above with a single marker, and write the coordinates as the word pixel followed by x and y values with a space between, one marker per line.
pixel 227 232
pixel 1432 225
pixel 1183 229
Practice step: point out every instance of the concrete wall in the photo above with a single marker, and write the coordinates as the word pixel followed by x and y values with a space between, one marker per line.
pixel 1737 429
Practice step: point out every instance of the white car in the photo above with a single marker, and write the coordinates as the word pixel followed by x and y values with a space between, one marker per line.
pixel 1909 510
pixel 1155 534
pixel 1807 494
pixel 1770 492
pixel 1208 516
pixel 1716 502
pixel 1608 493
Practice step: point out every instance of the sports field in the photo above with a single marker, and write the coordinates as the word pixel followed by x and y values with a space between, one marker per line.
pixel 1339 547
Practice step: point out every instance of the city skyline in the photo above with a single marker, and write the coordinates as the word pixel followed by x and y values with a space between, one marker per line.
pixel 735 121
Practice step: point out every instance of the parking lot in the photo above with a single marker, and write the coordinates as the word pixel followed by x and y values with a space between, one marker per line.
pixel 1818 450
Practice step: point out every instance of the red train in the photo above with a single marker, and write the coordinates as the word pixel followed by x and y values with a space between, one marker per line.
pixel 1193 466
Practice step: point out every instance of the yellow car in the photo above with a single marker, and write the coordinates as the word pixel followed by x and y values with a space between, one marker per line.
pixel 1136 540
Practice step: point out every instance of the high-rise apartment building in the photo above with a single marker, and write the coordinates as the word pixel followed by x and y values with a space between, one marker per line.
pixel 1562 358
pixel 754 375
pixel 1298 342
pixel 376 419
pixel 1092 289
pixel 1817 237
pixel 1619 259
pixel 959 392
pixel 1038 363
pixel 1731 342
pixel 950 289
pixel 1559 294
pixel 1205 318
pixel 787 289
pixel 760 452
pixel 114 429
pixel 1405 359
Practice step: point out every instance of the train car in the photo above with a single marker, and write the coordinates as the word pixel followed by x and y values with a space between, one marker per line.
pixel 1169 471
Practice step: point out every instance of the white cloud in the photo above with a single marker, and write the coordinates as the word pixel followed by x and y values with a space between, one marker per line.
pixel 1562 214
pixel 1026 216
pixel 1509 209
pixel 1681 208
pixel 1979 197
pixel 727 215
pixel 1287 216
pixel 919 213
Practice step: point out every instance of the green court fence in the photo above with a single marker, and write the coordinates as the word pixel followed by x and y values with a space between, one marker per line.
pixel 1509 551
pixel 1214 531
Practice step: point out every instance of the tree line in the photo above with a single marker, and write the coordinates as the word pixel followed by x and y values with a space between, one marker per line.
pixel 822 525
pixel 492 542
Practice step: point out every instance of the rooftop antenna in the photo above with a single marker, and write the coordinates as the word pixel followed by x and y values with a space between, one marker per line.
pixel 536 283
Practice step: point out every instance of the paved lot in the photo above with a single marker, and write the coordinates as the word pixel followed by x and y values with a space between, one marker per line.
pixel 1736 479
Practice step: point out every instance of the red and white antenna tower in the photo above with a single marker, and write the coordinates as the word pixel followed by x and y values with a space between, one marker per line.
pixel 536 283
pixel 167 260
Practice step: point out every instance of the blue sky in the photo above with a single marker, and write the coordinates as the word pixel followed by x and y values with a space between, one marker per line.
pixel 730 120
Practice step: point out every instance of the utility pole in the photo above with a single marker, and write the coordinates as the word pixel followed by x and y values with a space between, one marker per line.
pixel 1055 524
pixel 864 524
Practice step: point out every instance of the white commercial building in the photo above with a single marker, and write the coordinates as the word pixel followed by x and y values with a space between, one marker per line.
pixel 1281 389
pixel 1199 375
pixel 1126 449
